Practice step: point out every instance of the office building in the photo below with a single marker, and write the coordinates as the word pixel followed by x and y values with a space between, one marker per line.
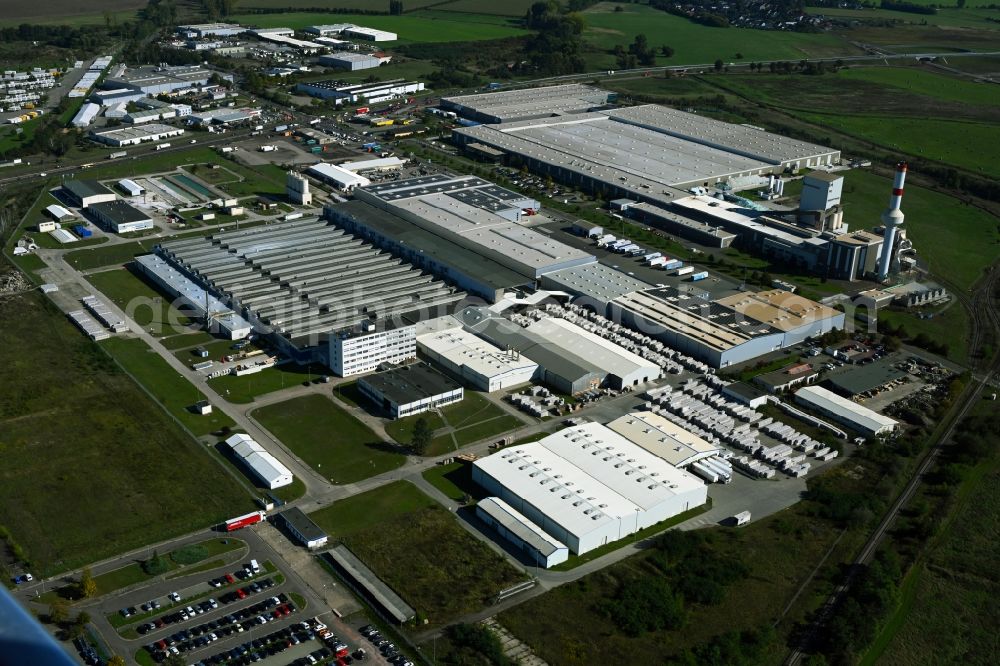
pixel 410 390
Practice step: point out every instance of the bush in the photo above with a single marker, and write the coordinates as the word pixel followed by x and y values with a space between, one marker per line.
pixel 189 554
pixel 156 565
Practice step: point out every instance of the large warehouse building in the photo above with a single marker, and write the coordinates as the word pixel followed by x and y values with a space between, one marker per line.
pixel 310 286
pixel 477 215
pixel 526 104
pixel 570 359
pixel 648 153
pixel 848 412
pixel 729 330
pixel 664 438
pixel 446 259
pixel 484 366
pixel 587 486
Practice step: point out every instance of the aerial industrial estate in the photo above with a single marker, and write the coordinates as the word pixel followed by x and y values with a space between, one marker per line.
pixel 430 371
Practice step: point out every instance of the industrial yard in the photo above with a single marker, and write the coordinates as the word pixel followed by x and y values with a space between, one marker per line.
pixel 459 334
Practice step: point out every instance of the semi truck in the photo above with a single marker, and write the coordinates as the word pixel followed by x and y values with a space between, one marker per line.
pixel 672 264
pixel 161 146
pixel 114 156
pixel 240 522
pixel 657 261
pixel 685 270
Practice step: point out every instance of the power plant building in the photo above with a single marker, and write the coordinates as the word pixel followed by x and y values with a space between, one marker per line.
pixel 482 365
pixel 587 486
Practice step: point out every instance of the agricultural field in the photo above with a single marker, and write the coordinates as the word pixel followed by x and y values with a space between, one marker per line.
pixel 507 8
pixel 15 12
pixel 953 142
pixel 697 44
pixel 322 433
pixel 419 550
pixel 411 28
pixel 660 90
pixel 78 432
pixel 371 5
pixel 956 240
pixel 948 16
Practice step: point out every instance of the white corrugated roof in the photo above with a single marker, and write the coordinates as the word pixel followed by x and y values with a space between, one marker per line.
pixel 586 476
pixel 338 175
pixel 465 349
pixel 848 410
pixel 664 438
pixel 607 355
pixel 256 457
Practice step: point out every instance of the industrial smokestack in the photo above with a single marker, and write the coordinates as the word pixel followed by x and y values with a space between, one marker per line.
pixel 892 218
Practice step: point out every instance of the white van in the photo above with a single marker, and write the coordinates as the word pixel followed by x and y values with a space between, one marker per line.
pixel 254 567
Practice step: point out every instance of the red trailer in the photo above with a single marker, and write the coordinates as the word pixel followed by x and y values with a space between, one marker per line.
pixel 243 521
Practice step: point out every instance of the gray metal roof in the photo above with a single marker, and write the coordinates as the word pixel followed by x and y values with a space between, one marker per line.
pixel 593 281
pixel 510 105
pixel 410 383
pixel 429 245
pixel 519 525
pixel 302 524
pixel 382 593
pixel 85 188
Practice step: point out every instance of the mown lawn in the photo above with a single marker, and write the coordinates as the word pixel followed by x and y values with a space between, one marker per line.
pixel 330 440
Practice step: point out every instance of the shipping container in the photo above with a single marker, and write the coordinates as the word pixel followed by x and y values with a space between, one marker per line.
pixel 699 276
pixel 116 155
pixel 685 270
pixel 742 518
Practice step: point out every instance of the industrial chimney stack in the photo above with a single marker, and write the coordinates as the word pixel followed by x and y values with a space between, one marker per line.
pixel 892 218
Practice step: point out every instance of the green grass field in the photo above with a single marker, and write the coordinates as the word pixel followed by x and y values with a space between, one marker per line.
pixel 947 17
pixel 412 27
pixel 419 550
pixel 375 5
pixel 368 510
pixel 697 44
pixel 79 433
pixel 957 240
pixel 140 301
pixel 245 389
pixel 949 328
pixel 330 440
pixel 473 419
pixel 114 255
pixel 167 386
pixel 516 8
pixel 957 143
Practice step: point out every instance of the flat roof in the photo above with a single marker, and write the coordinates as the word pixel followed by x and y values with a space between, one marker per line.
pixel 865 419
pixel 855 379
pixel 595 281
pixel 664 438
pixel 410 383
pixel 119 212
pixel 673 311
pixel 140 131
pixel 744 390
pixel 507 105
pixel 586 476
pixel 85 188
pixel 778 308
pixel 465 349
pixel 611 358
pixel 518 524
pixel 302 524
pixel 382 593
pixel 745 140
pixel 432 246
pixel 337 174
pixel 554 358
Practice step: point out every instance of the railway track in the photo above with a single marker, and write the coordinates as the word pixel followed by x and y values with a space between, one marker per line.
pixel 985 326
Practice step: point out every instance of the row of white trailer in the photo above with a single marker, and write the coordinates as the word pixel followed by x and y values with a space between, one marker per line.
pixel 97 319
pixel 655 351
pixel 651 259
pixel 700 407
